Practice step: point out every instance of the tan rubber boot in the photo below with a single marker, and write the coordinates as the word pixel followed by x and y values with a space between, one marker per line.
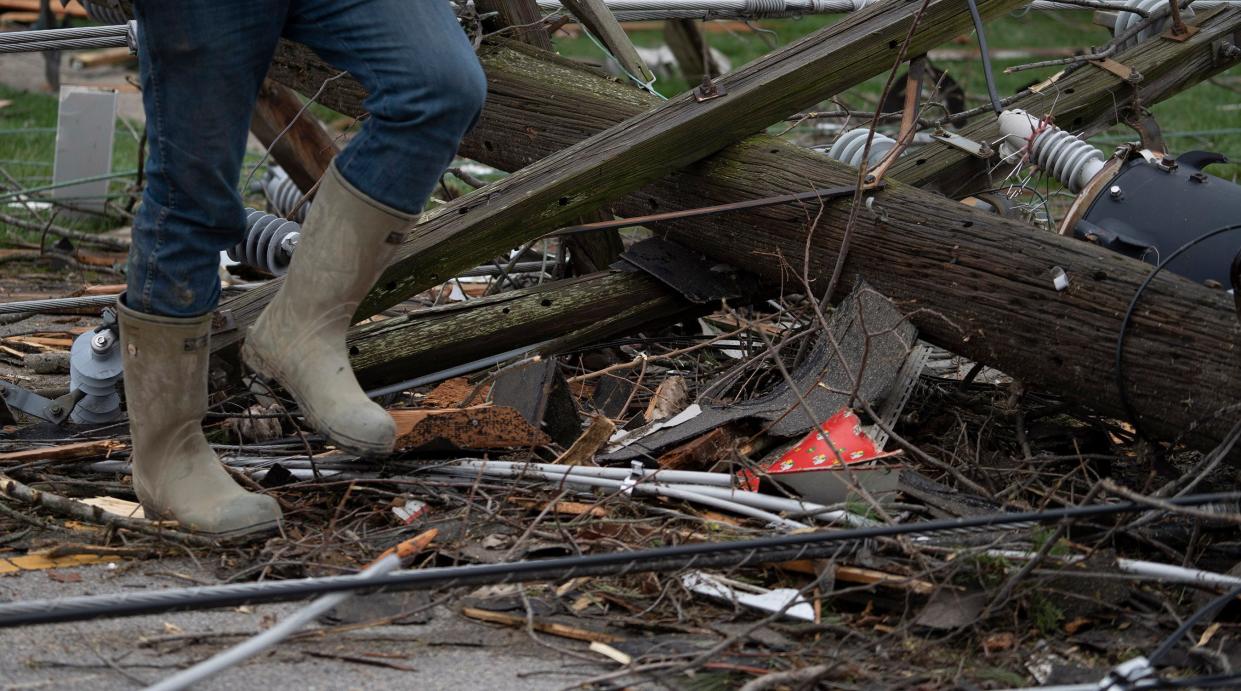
pixel 176 474
pixel 346 243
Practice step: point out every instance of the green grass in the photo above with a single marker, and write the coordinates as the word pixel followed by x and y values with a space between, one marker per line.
pixel 28 146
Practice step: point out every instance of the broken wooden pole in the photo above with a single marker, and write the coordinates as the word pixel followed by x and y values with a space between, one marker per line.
pixel 984 281
pixel 1177 382
pixel 680 131
pixel 588 253
pixel 294 136
pixel 689 47
pixel 575 311
pixel 520 17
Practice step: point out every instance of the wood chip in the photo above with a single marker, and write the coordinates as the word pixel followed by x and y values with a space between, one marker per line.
pixel 608 651
pixel 670 398
pixel 120 507
pixel 699 453
pixel 82 449
pixel 42 562
pixel 855 574
pixel 565 508
pixel 452 394
pixel 553 628
pixel 583 451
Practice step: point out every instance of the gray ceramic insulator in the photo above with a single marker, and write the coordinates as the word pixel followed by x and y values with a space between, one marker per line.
pixel 850 146
pixel 1126 20
pixel 95 368
pixel 268 243
pixel 283 194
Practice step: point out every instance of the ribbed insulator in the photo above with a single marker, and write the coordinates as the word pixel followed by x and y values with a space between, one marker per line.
pixel 283 194
pixel 850 146
pixel 1068 159
pixel 1125 20
pixel 95 368
pixel 104 13
pixel 268 244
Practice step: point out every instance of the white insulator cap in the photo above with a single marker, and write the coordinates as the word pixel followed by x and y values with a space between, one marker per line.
pixel 1017 126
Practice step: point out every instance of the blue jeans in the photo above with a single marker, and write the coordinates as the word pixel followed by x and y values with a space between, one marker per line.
pixel 202 63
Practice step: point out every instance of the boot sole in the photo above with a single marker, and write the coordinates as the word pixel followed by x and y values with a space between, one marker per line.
pixel 358 447
pixel 266 527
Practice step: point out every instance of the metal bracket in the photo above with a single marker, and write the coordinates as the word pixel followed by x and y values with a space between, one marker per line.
pixel 1185 34
pixel 1119 69
pixel 969 146
pixel 1226 50
pixel 1144 123
pixel 708 90
pixel 1178 31
pixel 54 411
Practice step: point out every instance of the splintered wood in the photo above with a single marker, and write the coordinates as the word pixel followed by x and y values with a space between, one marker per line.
pixel 477 427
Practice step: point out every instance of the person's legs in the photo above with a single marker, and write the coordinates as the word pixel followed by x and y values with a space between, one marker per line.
pixel 426 89
pixel 202 62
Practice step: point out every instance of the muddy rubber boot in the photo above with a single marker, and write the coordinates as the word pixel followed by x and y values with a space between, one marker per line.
pixel 346 243
pixel 176 474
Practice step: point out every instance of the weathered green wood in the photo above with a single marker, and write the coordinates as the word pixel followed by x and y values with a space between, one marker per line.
pixel 1089 100
pixel 680 131
pixel 577 311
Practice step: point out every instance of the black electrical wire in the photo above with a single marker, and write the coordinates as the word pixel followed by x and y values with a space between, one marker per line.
pixel 698 555
pixel 1205 611
pixel 1121 389
pixel 996 104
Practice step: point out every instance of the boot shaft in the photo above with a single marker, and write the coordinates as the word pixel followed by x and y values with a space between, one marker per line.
pixel 166 362
pixel 347 241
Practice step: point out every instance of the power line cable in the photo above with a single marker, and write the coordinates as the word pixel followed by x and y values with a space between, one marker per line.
pixel 698 555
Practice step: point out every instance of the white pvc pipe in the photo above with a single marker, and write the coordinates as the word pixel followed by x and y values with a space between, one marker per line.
pixel 689 493
pixel 777 503
pixel 1153 570
pixel 515 469
pixel 1169 573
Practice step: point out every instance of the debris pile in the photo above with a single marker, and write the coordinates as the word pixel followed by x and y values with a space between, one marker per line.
pixel 703 406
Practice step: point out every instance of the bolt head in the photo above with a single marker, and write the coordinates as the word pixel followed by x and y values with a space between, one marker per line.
pixel 1116 192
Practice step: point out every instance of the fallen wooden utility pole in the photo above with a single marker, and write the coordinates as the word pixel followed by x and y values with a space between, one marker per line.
pixel 988 278
pixel 574 312
pixel 681 131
